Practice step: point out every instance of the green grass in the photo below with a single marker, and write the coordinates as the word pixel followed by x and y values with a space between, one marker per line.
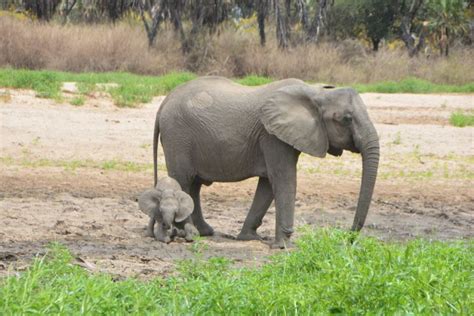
pixel 78 101
pixel 326 274
pixel 414 85
pixel 461 119
pixel 135 89
pixel 131 89
pixel 45 83
pixel 72 165
pixel 254 80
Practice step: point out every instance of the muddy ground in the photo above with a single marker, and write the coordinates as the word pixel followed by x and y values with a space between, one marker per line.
pixel 71 175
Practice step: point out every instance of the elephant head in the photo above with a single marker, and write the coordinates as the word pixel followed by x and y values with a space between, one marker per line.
pixel 167 183
pixel 175 207
pixel 318 121
pixel 168 205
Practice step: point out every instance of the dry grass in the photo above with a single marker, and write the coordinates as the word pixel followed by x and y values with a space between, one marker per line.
pixel 84 48
pixel 232 53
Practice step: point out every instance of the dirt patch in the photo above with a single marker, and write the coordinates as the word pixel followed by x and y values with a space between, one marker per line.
pixel 45 197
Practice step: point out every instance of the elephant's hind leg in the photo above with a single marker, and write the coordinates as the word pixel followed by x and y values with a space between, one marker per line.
pixel 198 220
pixel 261 202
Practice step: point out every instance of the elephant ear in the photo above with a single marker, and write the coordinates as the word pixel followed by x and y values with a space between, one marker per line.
pixel 149 201
pixel 293 116
pixel 186 206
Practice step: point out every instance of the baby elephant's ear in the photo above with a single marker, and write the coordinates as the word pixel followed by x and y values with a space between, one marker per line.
pixel 149 201
pixel 186 206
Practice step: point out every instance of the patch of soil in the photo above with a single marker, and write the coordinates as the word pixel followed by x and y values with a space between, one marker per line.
pixel 94 211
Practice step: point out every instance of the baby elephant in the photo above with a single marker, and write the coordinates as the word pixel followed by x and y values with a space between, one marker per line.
pixel 171 208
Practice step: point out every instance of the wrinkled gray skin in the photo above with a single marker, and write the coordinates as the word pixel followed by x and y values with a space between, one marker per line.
pixel 169 207
pixel 214 130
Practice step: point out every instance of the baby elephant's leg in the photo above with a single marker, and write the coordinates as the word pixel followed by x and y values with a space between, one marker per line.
pixel 190 232
pixel 162 233
pixel 150 227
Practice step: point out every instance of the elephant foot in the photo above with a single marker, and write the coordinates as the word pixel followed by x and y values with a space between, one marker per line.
pixel 190 232
pixel 205 229
pixel 282 244
pixel 165 239
pixel 149 233
pixel 251 235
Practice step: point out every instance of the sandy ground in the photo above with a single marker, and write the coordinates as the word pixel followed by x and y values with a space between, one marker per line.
pixel 425 185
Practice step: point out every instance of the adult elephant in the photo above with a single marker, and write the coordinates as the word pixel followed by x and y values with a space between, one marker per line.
pixel 215 130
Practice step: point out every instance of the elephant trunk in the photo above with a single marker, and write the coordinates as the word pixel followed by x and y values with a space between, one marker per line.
pixel 168 219
pixel 370 150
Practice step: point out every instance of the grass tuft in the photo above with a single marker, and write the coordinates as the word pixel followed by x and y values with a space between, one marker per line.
pixel 330 271
pixel 45 83
pixel 78 101
pixel 461 119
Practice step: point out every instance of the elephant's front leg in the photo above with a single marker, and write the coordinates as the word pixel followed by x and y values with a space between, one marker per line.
pixel 261 202
pixel 285 192
pixel 281 160
pixel 162 233
pixel 150 227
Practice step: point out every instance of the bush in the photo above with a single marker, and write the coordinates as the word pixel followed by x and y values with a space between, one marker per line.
pixel 461 119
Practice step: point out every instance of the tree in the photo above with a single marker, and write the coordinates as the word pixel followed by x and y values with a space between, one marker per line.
pixel 318 24
pixel 282 23
pixel 409 12
pixel 447 18
pixel 42 9
pixel 262 12
pixel 152 14
pixel 377 17
pixel 343 20
pixel 68 5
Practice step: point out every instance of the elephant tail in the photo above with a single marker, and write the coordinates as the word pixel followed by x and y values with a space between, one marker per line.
pixel 156 136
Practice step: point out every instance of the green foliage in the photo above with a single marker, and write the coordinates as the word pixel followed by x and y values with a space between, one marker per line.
pixel 448 15
pixel 461 119
pixel 343 20
pixel 377 17
pixel 254 80
pixel 78 101
pixel 45 83
pixel 414 85
pixel 131 89
pixel 331 271
pixel 128 90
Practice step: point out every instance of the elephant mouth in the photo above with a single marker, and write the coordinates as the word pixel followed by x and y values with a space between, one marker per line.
pixel 352 147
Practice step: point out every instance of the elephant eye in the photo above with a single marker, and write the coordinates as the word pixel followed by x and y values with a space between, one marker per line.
pixel 347 119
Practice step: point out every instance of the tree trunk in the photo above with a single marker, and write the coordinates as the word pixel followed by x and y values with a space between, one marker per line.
pixel 67 9
pixel 176 9
pixel 156 15
pixel 443 42
pixel 261 15
pixel 282 24
pixel 406 26
pixel 303 13
pixel 317 25
pixel 375 44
